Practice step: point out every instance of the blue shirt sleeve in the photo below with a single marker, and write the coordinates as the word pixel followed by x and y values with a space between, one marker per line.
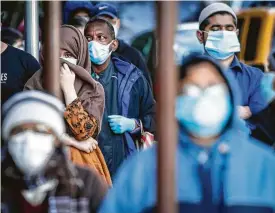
pixel 256 101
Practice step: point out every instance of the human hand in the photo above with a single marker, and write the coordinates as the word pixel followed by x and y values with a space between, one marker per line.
pixel 67 78
pixel 88 145
pixel 120 124
pixel 244 112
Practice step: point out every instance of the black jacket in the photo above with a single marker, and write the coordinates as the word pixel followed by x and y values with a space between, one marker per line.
pixel 133 56
pixel 266 122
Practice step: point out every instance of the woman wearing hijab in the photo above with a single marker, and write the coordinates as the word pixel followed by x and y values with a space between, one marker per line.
pixel 83 97
pixel 36 175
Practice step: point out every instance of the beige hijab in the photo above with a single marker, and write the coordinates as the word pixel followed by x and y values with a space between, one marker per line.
pixel 89 91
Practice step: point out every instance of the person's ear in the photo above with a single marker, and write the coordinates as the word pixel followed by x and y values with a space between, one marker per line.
pixel 238 32
pixel 114 45
pixel 200 36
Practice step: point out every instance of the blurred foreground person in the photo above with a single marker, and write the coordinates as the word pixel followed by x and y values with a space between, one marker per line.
pixel 12 37
pixel 219 34
pixel 218 168
pixel 110 13
pixel 36 174
pixel 83 97
pixel 129 98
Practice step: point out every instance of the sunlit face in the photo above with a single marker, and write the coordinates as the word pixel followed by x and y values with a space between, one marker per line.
pixel 65 54
pixel 99 32
pixel 217 23
pixel 202 75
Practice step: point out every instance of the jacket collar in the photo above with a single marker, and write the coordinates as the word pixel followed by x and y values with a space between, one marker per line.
pixel 236 64
pixel 121 65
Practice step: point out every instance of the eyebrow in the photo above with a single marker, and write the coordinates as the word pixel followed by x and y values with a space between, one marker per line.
pixel 219 25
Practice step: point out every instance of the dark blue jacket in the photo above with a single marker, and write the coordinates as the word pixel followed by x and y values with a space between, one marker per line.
pixel 242 175
pixel 135 100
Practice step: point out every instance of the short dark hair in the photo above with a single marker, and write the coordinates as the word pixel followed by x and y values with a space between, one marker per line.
pixel 104 21
pixel 10 35
pixel 78 21
pixel 206 21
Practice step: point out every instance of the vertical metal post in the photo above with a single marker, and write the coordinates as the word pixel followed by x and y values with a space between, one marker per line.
pixel 51 69
pixel 32 28
pixel 166 123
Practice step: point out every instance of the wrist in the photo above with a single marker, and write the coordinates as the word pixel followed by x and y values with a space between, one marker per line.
pixel 132 125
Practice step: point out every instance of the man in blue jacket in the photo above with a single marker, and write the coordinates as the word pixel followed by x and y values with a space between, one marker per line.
pixel 218 168
pixel 128 96
pixel 110 13
pixel 219 34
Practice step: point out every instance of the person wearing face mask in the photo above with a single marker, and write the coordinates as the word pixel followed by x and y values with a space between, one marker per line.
pixel 83 97
pixel 218 169
pixel 219 34
pixel 36 175
pixel 126 52
pixel 128 96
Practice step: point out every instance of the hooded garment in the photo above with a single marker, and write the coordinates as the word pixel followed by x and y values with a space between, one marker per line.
pixel 89 92
pixel 242 173
pixel 77 187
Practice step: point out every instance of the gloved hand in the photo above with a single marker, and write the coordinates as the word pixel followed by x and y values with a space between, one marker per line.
pixel 267 87
pixel 120 124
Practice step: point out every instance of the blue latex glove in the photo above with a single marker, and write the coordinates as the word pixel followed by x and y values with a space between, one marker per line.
pixel 268 92
pixel 120 124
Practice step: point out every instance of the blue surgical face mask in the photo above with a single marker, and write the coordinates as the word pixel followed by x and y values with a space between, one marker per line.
pixel 99 53
pixel 222 44
pixel 204 113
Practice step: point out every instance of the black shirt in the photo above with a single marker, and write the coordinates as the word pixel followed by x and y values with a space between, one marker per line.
pixel 133 56
pixel 17 67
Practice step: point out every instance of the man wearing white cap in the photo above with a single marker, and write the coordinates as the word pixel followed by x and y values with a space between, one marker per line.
pixel 219 34
pixel 36 174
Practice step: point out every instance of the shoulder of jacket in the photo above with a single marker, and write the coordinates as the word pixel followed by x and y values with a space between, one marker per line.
pixel 258 150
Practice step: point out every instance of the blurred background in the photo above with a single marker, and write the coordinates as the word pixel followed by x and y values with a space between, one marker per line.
pixel 138 22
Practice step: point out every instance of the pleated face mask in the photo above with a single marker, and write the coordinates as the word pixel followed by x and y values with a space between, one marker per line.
pixel 222 44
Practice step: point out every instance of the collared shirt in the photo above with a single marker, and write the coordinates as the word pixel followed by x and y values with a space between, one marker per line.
pixel 249 79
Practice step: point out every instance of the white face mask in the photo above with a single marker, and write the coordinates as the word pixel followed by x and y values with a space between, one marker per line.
pixel 99 53
pixel 222 44
pixel 31 151
pixel 71 60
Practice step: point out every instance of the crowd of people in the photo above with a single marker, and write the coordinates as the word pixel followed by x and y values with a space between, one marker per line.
pixel 80 154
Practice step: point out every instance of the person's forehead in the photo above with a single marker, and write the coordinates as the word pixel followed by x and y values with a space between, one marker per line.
pixel 204 72
pixel 221 19
pixel 97 26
